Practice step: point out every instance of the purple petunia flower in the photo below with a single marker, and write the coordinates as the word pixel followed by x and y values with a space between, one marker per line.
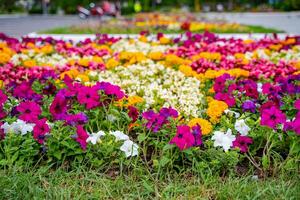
pixel 249 106
pixel 196 131
pixel 76 119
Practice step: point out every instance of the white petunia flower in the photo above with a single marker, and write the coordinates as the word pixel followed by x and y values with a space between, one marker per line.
pixel 230 112
pixel 19 126
pixel 242 127
pixel 223 140
pixel 129 148
pixel 119 135
pixel 259 87
pixel 95 137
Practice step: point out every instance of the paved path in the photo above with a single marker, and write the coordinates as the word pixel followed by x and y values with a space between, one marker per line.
pixel 288 21
pixel 17 26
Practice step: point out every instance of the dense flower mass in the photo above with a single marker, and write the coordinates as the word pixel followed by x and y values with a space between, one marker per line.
pixel 150 98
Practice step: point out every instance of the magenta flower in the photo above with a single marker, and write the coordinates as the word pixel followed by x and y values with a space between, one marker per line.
pixel 183 139
pixel 82 136
pixel 2 134
pixel 271 117
pixel 3 98
pixel 40 129
pixel 58 107
pixel 2 113
pixel 230 100
pixel 242 142
pixel 89 96
pixel 29 111
pixel 111 89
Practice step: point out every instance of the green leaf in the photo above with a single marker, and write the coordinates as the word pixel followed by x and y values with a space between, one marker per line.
pixel 141 137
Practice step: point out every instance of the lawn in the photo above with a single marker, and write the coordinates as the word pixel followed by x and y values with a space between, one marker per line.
pixel 45 183
pixel 137 30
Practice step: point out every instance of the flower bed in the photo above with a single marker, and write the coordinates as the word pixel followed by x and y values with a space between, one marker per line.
pixel 197 102
pixel 160 22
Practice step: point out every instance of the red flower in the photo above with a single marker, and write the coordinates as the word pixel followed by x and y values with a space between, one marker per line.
pixel 133 113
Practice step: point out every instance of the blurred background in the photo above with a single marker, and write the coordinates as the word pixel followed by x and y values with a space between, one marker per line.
pixel 132 6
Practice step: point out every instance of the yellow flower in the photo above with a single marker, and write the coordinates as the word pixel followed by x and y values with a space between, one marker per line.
pixel 1 84
pixel 132 100
pixel 164 40
pixel 205 125
pixel 73 73
pixel 187 70
pixel 4 57
pixel 156 55
pixel 216 108
pixel 143 38
pixel 83 62
pixel 111 63
pixel 29 63
pixel 83 78
pixel 47 49
pixel 97 59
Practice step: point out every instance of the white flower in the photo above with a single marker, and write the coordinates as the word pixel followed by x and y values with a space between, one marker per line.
pixel 259 87
pixel 19 126
pixel 94 137
pixel 230 112
pixel 119 135
pixel 223 140
pixel 242 127
pixel 129 148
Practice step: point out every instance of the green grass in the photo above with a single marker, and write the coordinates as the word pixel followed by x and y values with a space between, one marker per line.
pixel 136 30
pixel 89 184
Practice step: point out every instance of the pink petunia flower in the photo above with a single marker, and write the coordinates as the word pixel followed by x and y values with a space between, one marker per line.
pixel 183 139
pixel 40 129
pixel 242 142
pixel 271 117
pixel 29 111
pixel 82 136
pixel 89 97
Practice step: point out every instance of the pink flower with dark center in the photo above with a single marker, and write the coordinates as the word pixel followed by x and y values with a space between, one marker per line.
pixel 2 113
pixel 82 136
pixel 230 100
pixel 242 142
pixel 40 129
pixel 271 117
pixel 183 139
pixel 89 96
pixel 3 98
pixel 58 107
pixel 29 111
